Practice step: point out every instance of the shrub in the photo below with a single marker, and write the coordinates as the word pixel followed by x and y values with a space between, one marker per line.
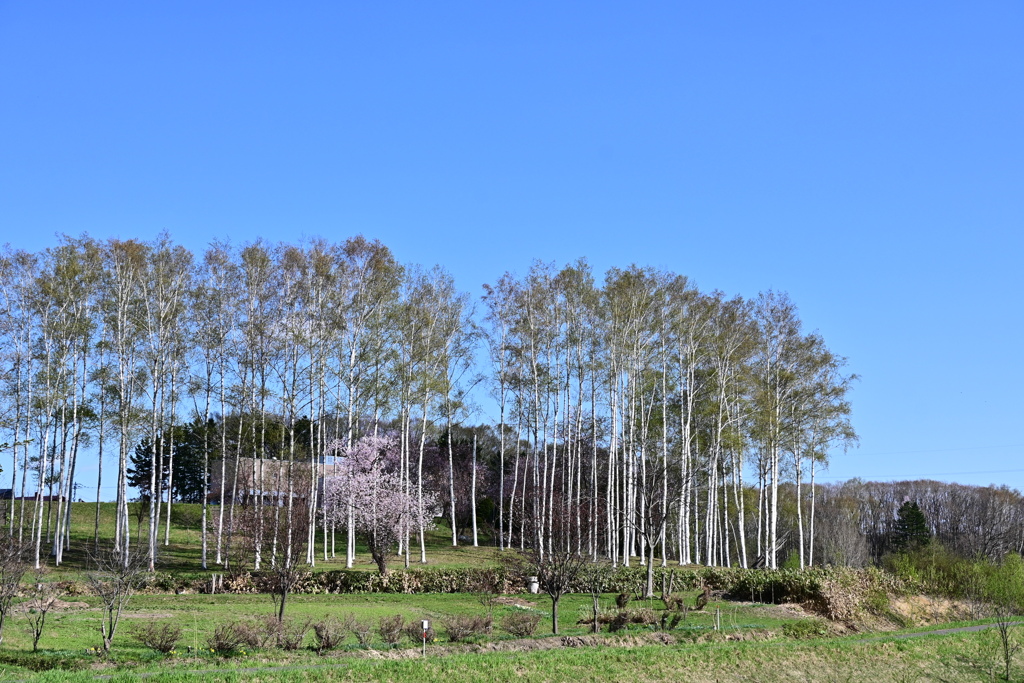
pixel 291 633
pixel 390 629
pixel 935 570
pixel 521 624
pixel 619 621
pixel 70 588
pixel 457 627
pixel 642 615
pixel 225 639
pixel 432 580
pixel 802 630
pixel 328 634
pixel 1006 592
pixel 792 560
pixel 116 577
pixel 460 627
pixel 675 602
pixel 414 631
pixel 41 601
pixel 702 599
pixel 606 616
pixel 877 601
pixel 621 600
pixel 838 593
pixel 161 636
pixel 362 629
pixel 162 582
pixel 257 633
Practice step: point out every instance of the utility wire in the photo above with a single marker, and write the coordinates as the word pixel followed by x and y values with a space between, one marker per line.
pixel 873 477
pixel 940 450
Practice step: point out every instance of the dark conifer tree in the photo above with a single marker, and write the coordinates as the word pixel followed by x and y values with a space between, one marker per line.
pixel 911 529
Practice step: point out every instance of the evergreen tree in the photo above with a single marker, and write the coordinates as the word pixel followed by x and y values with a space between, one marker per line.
pixel 911 528
pixel 189 481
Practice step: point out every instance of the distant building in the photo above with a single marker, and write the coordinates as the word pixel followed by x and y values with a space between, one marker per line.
pixel 46 499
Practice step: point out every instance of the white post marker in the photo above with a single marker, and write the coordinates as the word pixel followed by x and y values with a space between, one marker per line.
pixel 426 627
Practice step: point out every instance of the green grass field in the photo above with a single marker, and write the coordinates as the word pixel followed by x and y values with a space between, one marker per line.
pixel 750 646
pixel 76 627
pixel 72 633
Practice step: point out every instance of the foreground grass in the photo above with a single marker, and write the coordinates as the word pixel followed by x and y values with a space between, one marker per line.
pixel 695 652
pixel 962 657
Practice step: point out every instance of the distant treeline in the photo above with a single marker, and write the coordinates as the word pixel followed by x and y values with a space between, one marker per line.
pixel 859 519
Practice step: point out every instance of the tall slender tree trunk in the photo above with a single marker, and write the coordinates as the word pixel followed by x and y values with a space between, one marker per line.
pixel 451 470
pixel 810 557
pixel 472 495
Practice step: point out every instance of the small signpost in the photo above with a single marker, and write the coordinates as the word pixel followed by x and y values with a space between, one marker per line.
pixel 426 627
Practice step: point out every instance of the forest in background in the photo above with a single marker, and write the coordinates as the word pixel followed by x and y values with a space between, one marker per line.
pixel 638 418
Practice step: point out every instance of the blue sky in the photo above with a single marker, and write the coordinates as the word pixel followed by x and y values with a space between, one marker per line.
pixel 867 158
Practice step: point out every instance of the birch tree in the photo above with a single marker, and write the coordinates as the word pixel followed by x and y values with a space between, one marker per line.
pixel 124 268
pixel 164 285
pixel 779 336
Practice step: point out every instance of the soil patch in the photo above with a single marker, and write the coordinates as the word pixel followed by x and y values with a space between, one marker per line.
pixel 924 610
pixel 58 606
pixel 786 610
pixel 513 601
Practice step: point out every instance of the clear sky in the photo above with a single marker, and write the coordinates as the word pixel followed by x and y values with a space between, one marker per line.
pixel 867 158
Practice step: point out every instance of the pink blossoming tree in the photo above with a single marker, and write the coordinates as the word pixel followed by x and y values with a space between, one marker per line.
pixel 369 493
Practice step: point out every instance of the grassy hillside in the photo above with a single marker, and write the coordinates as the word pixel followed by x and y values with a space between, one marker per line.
pixel 184 550
pixel 755 641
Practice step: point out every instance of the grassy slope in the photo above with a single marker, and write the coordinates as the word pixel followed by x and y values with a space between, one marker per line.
pixel 72 632
pixel 183 553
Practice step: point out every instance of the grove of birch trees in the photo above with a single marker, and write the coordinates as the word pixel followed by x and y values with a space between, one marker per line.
pixel 634 418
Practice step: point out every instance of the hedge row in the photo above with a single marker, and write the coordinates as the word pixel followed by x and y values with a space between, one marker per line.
pixel 428 580
pixel 836 592
pixel 821 586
